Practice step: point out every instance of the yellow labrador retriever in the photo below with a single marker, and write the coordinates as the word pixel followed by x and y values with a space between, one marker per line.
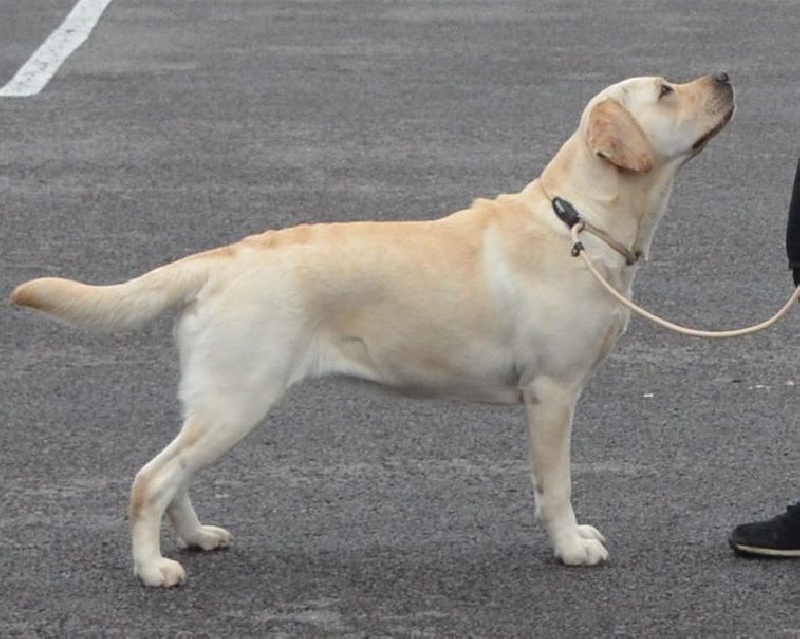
pixel 486 304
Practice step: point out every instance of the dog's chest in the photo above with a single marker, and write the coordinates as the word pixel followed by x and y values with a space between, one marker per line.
pixel 567 333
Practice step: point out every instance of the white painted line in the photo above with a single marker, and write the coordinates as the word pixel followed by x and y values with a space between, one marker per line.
pixel 46 60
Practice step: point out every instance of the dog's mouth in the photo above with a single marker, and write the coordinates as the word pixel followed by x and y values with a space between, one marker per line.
pixel 701 142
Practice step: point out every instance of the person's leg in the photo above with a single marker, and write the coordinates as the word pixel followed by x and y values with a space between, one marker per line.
pixel 793 228
pixel 776 537
pixel 779 536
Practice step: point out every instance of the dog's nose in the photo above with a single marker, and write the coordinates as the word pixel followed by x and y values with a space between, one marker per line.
pixel 721 77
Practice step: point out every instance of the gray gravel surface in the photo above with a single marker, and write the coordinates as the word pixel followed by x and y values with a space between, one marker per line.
pixel 182 126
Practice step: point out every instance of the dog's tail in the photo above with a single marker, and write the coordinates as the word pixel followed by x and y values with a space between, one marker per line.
pixel 118 307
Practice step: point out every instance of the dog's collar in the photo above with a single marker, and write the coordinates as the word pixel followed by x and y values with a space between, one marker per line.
pixel 567 214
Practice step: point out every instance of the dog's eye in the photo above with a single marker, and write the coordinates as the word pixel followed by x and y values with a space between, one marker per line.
pixel 664 90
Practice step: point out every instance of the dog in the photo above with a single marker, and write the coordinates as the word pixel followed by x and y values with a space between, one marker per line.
pixel 486 304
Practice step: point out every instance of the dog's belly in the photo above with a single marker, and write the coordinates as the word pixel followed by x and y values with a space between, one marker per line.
pixel 479 394
pixel 475 374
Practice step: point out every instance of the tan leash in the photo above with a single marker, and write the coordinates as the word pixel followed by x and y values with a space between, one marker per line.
pixel 567 213
pixel 578 249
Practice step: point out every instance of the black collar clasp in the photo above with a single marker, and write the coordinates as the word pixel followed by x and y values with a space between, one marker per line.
pixel 570 216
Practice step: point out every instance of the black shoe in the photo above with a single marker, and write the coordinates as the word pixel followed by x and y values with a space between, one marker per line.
pixel 776 537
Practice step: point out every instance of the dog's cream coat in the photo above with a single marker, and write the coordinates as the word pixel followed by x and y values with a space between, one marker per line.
pixel 486 304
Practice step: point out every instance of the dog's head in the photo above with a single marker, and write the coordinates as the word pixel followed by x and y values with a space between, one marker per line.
pixel 642 123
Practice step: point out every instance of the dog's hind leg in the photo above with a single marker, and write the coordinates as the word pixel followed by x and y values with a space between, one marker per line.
pixel 163 483
pixel 191 533
pixel 549 409
pixel 234 368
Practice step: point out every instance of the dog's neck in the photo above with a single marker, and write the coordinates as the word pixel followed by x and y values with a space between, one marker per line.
pixel 626 205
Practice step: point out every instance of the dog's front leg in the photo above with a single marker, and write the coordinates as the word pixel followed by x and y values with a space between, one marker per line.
pixel 549 410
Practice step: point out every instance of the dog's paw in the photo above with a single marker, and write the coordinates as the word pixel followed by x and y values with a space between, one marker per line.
pixel 207 538
pixel 163 573
pixel 586 549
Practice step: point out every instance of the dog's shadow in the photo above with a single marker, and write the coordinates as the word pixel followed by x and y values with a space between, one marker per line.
pixel 457 588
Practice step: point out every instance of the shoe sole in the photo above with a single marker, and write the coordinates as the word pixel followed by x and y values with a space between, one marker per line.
pixel 752 551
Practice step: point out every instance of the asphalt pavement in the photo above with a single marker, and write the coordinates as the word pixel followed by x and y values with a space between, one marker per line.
pixel 182 126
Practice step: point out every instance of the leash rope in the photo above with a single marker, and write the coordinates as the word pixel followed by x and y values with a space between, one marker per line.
pixel 579 250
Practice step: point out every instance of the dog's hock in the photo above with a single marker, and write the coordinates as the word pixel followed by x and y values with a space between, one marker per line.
pixel 615 136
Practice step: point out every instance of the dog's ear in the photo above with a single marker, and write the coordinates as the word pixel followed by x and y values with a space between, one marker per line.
pixel 617 137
